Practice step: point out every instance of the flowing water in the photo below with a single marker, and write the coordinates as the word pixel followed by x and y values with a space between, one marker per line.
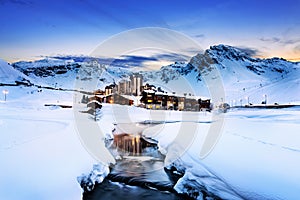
pixel 118 191
pixel 135 176
pixel 135 179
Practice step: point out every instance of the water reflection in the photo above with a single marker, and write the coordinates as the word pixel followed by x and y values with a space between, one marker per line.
pixel 139 172
pixel 131 144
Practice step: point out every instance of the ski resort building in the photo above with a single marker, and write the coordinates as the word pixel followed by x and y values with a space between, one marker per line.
pixel 136 84
pixel 124 87
pixel 163 101
pixel 127 93
pixel 117 99
pixel 110 89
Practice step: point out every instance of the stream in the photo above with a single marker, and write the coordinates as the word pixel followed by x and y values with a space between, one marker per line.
pixel 138 175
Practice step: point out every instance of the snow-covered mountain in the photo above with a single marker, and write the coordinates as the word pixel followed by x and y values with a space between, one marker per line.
pixel 50 72
pixel 242 76
pixel 63 73
pixel 9 75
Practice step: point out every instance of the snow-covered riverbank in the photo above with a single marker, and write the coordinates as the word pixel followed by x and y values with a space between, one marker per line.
pixel 256 157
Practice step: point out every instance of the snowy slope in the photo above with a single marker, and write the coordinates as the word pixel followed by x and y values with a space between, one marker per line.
pixel 245 77
pixel 9 75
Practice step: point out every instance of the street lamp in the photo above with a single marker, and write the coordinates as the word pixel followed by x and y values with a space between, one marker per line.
pixel 5 92
pixel 247 98
pixel 265 99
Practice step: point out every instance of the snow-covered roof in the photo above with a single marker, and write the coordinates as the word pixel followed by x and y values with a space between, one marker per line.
pixel 100 95
pixel 94 101
pixel 149 91
pixel 160 93
pixel 202 97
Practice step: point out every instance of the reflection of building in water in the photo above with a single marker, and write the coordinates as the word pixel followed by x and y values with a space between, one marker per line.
pixel 132 144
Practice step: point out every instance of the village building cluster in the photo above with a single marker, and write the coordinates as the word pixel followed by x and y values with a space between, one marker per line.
pixel 133 92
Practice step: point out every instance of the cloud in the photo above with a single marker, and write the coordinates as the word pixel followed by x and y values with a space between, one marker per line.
pixel 141 61
pixel 132 61
pixel 174 57
pixel 280 40
pixel 128 61
pixel 273 39
pixel 199 36
pixel 250 51
pixel 291 41
pixel 125 61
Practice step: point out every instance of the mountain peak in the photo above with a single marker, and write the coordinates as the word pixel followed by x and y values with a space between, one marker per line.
pixel 221 47
pixel 222 51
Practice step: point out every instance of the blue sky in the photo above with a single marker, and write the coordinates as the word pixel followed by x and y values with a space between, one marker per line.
pixel 32 28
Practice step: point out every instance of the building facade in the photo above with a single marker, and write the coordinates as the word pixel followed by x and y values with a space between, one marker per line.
pixel 136 84
pixel 124 87
pixel 163 101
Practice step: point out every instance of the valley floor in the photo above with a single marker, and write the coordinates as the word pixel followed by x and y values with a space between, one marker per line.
pixel 257 154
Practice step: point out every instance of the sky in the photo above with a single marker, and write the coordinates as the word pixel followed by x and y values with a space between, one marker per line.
pixel 30 29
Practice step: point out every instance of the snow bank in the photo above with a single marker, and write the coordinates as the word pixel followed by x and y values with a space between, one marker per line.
pixel 96 176
pixel 257 156
pixel 40 153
